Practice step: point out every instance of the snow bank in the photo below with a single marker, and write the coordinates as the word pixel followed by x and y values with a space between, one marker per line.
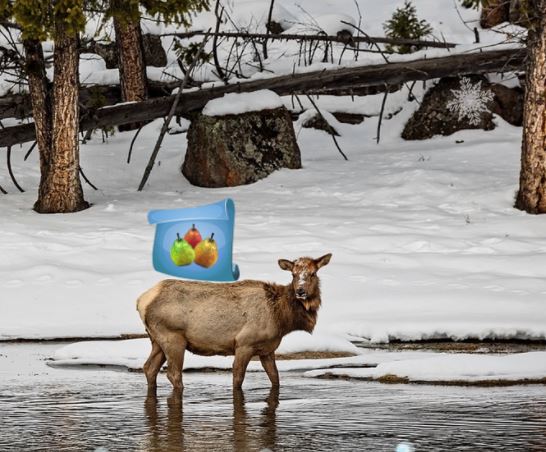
pixel 237 103
pixel 452 368
pixel 134 352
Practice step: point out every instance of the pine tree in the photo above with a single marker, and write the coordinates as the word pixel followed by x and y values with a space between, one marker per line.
pixel 405 24
pixel 126 17
pixel 56 111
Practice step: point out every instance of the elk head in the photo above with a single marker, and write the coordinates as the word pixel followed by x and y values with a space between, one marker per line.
pixel 305 282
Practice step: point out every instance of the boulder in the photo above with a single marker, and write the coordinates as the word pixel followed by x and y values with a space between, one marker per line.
pixel 508 103
pixel 434 118
pixel 239 149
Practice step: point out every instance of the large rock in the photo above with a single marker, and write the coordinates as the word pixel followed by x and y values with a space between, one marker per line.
pixel 508 103
pixel 434 118
pixel 238 149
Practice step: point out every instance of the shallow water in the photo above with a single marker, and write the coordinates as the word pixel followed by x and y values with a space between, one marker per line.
pixel 43 408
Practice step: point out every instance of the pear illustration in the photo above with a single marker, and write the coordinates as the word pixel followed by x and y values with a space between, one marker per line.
pixel 206 252
pixel 182 252
pixel 193 237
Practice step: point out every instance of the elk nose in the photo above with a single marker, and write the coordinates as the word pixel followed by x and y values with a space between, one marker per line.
pixel 300 293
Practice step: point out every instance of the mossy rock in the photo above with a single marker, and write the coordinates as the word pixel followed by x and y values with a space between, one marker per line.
pixel 231 150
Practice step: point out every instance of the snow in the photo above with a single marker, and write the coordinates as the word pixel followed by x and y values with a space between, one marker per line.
pixel 252 15
pixel 416 366
pixel 453 367
pixel 330 24
pixel 133 353
pixel 425 240
pixel 237 103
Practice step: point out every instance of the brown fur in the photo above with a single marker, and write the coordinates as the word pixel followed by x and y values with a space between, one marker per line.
pixel 244 319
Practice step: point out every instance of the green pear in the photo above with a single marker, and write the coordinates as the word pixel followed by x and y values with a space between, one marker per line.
pixel 182 252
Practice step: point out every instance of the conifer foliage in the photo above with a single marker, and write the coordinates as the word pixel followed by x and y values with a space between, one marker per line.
pixel 56 108
pixel 404 24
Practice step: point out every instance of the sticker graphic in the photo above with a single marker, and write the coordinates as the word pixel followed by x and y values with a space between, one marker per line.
pixel 195 242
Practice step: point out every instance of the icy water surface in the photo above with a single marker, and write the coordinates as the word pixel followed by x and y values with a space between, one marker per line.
pixel 43 408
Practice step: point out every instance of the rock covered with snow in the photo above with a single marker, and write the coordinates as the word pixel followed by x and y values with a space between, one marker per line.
pixel 240 139
pixel 237 103
pixel 441 111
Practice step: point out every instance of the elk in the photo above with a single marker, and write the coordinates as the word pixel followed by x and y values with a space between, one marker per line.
pixel 247 318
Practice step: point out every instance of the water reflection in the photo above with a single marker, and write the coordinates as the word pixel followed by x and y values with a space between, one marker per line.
pixel 170 432
pixel 44 409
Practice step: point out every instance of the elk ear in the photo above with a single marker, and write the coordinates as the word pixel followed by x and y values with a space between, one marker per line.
pixel 322 261
pixel 286 264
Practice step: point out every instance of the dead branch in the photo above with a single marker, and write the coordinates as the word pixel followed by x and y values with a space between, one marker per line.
pixel 317 37
pixel 329 128
pixel 86 179
pixel 172 112
pixel 268 28
pixel 308 82
pixel 133 143
pixel 30 150
pixel 10 171
pixel 380 119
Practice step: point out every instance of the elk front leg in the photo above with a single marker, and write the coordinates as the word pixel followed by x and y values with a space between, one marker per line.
pixel 242 358
pixel 270 367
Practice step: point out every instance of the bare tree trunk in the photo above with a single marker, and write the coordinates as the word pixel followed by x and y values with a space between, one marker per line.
pixel 132 70
pixel 41 105
pixel 532 186
pixel 62 190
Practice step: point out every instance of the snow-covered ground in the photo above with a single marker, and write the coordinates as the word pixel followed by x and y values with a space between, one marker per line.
pixel 424 237
pixel 425 240
pixel 413 366
pixel 452 368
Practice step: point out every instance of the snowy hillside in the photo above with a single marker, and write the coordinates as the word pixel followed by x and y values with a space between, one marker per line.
pixel 425 241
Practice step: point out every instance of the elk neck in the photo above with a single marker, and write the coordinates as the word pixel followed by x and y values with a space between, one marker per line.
pixel 289 312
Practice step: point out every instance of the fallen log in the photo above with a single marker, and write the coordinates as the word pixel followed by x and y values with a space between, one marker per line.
pixel 18 105
pixel 342 38
pixel 307 82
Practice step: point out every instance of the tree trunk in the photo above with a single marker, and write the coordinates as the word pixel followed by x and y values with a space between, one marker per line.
pixel 532 185
pixel 41 105
pixel 62 190
pixel 132 71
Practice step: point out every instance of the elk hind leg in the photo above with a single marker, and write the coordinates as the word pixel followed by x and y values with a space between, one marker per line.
pixel 173 345
pixel 153 364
